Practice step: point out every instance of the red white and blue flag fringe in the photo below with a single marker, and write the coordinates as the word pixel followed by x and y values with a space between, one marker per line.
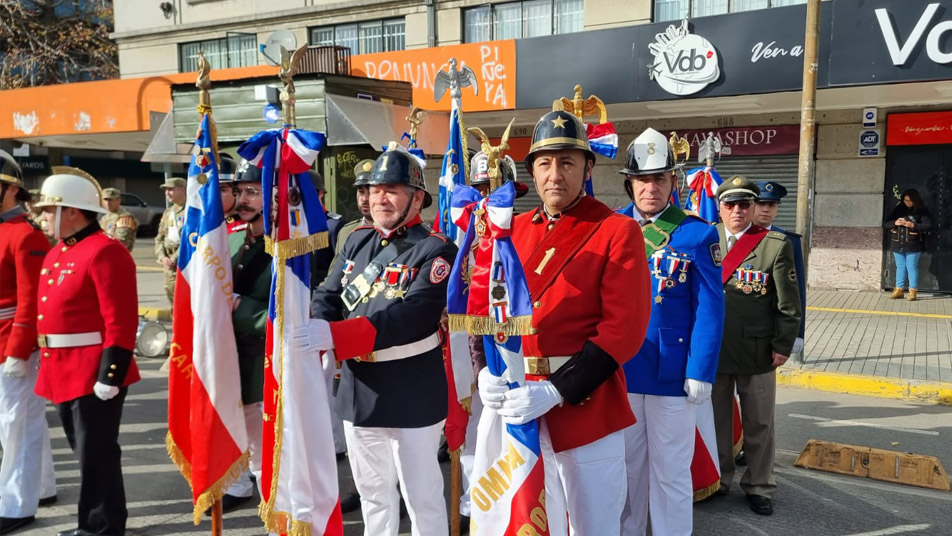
pixel 702 183
pixel 300 496
pixel 207 438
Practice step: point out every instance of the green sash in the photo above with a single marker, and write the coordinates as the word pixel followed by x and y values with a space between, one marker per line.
pixel 658 233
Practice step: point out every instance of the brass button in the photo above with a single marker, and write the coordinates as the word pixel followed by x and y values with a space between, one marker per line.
pixel 247 247
pixel 551 225
pixel 43 299
pixel 46 354
pixel 110 375
pixel 49 281
pixel 55 265
pixel 39 317
pixel 64 248
pixel 240 266
pixel 384 242
pixel 113 366
pixel 537 304
pixel 365 300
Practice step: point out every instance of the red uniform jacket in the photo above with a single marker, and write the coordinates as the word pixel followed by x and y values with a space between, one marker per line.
pixel 598 291
pixel 22 248
pixel 88 283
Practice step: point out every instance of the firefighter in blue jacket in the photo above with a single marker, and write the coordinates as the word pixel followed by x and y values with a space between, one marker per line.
pixel 768 204
pixel 673 372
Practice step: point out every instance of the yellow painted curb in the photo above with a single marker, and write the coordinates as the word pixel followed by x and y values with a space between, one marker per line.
pixel 156 313
pixel 148 269
pixel 915 390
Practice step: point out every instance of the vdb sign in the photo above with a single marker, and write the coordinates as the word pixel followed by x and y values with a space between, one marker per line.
pixel 900 51
pixel 684 63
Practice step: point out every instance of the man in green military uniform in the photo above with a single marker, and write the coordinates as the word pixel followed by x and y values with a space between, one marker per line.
pixel 119 223
pixel 361 176
pixel 251 273
pixel 762 320
pixel 170 231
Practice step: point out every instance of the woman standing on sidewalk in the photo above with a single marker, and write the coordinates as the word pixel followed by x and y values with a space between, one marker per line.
pixel 908 224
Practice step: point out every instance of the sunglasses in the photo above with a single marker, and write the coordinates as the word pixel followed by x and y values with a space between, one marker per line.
pixel 743 205
pixel 250 191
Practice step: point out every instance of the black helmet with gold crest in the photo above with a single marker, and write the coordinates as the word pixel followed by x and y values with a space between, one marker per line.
pixel 556 131
pixel 10 173
pixel 397 166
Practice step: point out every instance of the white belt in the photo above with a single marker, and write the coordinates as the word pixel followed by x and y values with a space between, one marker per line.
pixel 69 340
pixel 543 366
pixel 403 351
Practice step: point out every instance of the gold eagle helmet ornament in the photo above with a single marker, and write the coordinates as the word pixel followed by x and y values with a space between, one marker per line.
pixel 494 154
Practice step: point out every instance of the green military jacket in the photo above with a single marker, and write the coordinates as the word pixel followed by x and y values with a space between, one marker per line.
pixel 760 319
pixel 170 232
pixel 120 225
pixel 251 272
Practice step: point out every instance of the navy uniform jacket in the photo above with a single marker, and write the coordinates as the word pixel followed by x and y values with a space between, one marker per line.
pixel 251 272
pixel 321 259
pixel 403 308
pixel 685 330
pixel 801 280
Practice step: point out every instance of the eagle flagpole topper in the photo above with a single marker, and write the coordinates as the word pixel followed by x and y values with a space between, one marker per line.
pixel 602 137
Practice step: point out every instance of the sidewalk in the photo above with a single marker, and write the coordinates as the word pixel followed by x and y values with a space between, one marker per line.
pixel 863 341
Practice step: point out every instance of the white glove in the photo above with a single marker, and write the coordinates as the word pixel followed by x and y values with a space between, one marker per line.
pixel 15 368
pixel 105 392
pixel 529 402
pixel 316 335
pixel 492 389
pixel 797 346
pixel 698 392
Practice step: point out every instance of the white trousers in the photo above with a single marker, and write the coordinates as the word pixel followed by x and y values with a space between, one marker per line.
pixel 26 472
pixel 329 363
pixel 381 458
pixel 584 486
pixel 254 423
pixel 658 453
pixel 467 458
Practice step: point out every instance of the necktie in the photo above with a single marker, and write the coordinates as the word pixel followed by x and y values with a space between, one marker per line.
pixel 731 240
pixel 644 222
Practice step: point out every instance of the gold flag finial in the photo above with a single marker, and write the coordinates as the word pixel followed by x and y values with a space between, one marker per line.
pixel 494 154
pixel 204 84
pixel 415 119
pixel 289 68
pixel 679 146
pixel 582 107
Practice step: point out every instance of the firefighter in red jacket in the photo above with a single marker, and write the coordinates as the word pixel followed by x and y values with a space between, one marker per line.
pixel 26 472
pixel 588 279
pixel 88 312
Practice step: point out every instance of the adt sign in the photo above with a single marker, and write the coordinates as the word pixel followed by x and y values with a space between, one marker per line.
pixel 869 143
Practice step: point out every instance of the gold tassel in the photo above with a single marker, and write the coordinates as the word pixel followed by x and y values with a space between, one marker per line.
pixel 739 446
pixel 217 490
pixel 484 325
pixel 299 528
pixel 704 493
pixel 178 458
pixel 296 247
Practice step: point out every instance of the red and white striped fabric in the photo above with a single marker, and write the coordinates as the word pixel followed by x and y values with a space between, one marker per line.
pixel 705 468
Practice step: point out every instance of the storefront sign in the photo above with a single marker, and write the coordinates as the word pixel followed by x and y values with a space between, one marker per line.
pixel 927 128
pixel 747 141
pixel 34 166
pixel 684 63
pixel 869 141
pixel 900 52
pixel 869 117
pixel 493 62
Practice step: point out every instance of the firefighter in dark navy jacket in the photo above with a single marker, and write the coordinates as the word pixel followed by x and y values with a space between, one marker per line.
pixel 378 311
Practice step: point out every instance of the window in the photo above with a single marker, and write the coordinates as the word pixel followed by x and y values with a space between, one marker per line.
pixel 363 38
pixel 235 50
pixel 515 20
pixel 679 9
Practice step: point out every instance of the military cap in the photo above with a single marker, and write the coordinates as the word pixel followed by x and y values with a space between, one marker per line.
pixel 362 172
pixel 397 166
pixel 558 130
pixel 771 191
pixel 110 193
pixel 173 182
pixel 737 188
pixel 247 172
pixel 226 170
pixel 10 173
pixel 647 154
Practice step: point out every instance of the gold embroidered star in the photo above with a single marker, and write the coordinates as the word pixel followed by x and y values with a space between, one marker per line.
pixel 559 122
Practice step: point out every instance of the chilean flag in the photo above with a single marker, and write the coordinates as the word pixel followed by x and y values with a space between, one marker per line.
pixel 299 465
pixel 488 295
pixel 207 438
pixel 452 174
pixel 603 140
pixel 702 184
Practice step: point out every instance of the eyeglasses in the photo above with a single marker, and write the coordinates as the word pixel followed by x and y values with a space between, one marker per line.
pixel 250 191
pixel 743 205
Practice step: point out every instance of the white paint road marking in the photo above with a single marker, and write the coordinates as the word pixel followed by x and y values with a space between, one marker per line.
pixel 838 422
pixel 898 529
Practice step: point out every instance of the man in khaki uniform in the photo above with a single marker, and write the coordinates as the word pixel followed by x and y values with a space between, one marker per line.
pixel 763 311
pixel 119 223
pixel 170 231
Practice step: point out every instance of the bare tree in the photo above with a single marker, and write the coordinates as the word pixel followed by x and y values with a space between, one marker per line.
pixel 46 42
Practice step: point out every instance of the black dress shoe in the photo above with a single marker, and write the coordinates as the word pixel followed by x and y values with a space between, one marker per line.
pixel 741 459
pixel 463 524
pixel 723 490
pixel 443 455
pixel 760 505
pixel 10 524
pixel 47 501
pixel 350 502
pixel 341 455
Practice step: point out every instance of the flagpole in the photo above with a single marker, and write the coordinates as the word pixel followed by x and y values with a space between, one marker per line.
pixel 456 491
pixel 217 518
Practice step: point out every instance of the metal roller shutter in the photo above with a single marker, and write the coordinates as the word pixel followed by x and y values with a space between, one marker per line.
pixel 782 169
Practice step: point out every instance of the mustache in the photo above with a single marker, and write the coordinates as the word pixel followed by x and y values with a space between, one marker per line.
pixel 244 207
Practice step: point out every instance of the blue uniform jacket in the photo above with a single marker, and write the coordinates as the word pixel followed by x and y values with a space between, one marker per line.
pixel 798 265
pixel 685 330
